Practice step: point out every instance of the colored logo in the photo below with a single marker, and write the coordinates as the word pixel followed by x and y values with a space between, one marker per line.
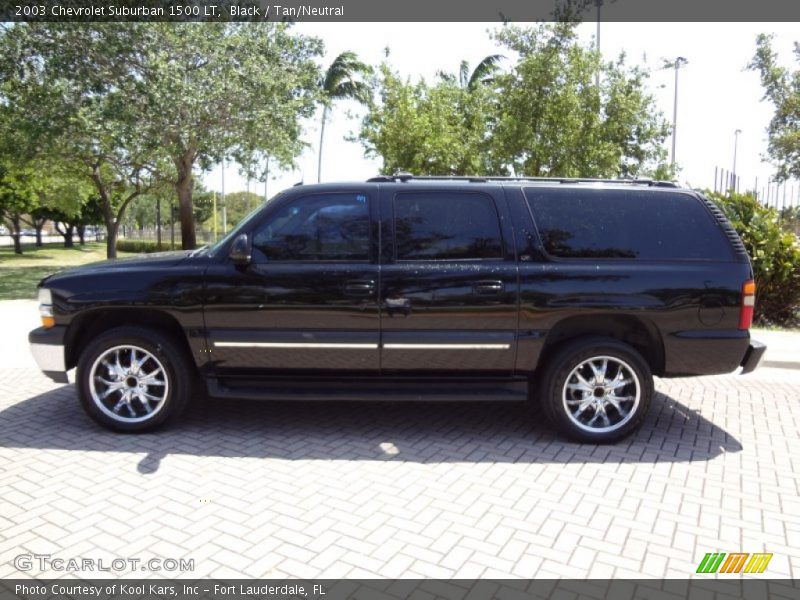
pixel 719 562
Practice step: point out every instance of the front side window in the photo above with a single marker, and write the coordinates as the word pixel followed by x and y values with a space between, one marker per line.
pixel 316 228
pixel 446 226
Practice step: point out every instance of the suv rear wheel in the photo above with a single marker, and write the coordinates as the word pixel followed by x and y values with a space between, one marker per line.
pixel 596 390
pixel 133 379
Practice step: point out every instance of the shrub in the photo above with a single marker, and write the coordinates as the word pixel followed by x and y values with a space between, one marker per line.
pixel 139 246
pixel 775 254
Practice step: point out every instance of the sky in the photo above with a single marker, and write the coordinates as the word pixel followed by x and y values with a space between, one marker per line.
pixel 716 93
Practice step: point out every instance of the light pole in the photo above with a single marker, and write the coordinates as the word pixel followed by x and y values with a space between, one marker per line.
pixel 266 178
pixel 676 64
pixel 735 146
pixel 599 3
pixel 224 206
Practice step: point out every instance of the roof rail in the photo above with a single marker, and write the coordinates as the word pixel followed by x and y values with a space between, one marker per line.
pixel 404 177
pixel 399 176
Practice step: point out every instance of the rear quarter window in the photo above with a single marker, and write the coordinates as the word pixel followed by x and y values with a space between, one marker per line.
pixel 626 224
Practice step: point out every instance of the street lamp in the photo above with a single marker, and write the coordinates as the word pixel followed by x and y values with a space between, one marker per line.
pixel 598 3
pixel 676 64
pixel 735 146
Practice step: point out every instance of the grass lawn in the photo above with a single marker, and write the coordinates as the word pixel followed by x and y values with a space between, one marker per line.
pixel 19 275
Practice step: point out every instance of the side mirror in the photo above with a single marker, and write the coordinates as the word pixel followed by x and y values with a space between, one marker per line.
pixel 240 253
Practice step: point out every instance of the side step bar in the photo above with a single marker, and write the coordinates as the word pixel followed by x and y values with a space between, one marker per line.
pixel 369 391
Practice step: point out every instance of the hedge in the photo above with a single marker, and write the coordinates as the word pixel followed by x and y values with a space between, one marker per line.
pixel 775 255
pixel 140 246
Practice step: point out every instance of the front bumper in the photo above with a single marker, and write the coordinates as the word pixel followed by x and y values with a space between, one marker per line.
pixel 47 347
pixel 752 358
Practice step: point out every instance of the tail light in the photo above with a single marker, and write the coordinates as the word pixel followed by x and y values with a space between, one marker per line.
pixel 748 304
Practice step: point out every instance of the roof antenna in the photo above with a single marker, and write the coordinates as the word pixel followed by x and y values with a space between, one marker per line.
pixel 302 178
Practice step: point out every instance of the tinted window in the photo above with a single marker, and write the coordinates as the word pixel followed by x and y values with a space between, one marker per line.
pixel 591 223
pixel 431 226
pixel 321 227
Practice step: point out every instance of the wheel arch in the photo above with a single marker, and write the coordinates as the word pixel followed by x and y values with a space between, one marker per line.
pixel 637 332
pixel 88 325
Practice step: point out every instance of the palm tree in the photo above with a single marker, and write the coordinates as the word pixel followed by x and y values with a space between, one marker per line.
pixel 483 74
pixel 342 81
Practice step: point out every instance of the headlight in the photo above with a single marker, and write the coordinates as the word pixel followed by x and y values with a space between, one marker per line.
pixel 46 307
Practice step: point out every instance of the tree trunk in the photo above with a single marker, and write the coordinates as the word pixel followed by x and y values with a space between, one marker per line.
pixel 108 213
pixel 158 223
pixel 183 186
pixel 66 234
pixel 81 229
pixel 111 238
pixel 15 234
pixel 111 230
pixel 38 234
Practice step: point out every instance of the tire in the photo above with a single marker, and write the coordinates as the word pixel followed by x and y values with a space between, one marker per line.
pixel 134 379
pixel 588 409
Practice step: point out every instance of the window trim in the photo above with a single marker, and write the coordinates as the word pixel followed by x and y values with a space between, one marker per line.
pixel 289 202
pixel 503 251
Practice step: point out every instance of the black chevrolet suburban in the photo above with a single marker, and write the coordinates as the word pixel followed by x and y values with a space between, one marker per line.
pixel 569 293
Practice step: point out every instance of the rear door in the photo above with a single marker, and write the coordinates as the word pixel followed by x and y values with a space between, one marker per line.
pixel 448 281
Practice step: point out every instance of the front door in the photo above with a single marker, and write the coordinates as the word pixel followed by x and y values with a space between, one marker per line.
pixel 448 282
pixel 308 301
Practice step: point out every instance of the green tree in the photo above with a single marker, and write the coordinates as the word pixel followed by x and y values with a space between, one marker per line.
pixel 782 89
pixel 240 204
pixel 203 201
pixel 37 218
pixel 790 216
pixel 227 90
pixel 132 104
pixel 555 121
pixel 16 199
pixel 342 81
pixel 91 214
pixel 62 197
pixel 775 255
pixel 542 116
pixel 70 102
pixel 483 73
pixel 440 128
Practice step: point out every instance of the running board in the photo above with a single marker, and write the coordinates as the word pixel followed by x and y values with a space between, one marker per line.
pixel 446 391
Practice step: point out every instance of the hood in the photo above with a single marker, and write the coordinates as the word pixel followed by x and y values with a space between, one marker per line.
pixel 154 261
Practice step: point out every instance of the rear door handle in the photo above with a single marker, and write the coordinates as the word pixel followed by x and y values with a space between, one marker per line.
pixel 360 287
pixel 488 287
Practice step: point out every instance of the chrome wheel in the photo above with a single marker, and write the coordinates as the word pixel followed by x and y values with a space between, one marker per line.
pixel 601 394
pixel 128 384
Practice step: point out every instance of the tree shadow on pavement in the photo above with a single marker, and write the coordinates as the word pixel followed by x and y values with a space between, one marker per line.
pixel 495 432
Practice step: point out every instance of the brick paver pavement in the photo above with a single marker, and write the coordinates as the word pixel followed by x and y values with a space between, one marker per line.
pixel 401 490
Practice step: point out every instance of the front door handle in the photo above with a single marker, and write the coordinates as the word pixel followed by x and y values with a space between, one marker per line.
pixel 360 287
pixel 488 287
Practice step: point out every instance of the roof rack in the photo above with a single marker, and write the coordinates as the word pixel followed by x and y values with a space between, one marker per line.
pixel 404 177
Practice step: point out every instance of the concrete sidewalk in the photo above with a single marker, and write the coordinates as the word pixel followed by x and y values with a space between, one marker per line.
pixel 783 347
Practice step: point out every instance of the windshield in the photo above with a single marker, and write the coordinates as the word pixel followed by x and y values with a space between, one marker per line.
pixel 212 250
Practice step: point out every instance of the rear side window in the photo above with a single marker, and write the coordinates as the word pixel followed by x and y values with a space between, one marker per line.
pixel 446 226
pixel 598 223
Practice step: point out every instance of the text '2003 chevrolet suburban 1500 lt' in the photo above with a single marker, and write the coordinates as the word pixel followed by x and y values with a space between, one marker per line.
pixel 572 293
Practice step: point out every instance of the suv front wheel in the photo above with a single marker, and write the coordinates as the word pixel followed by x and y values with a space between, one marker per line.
pixel 596 390
pixel 133 379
